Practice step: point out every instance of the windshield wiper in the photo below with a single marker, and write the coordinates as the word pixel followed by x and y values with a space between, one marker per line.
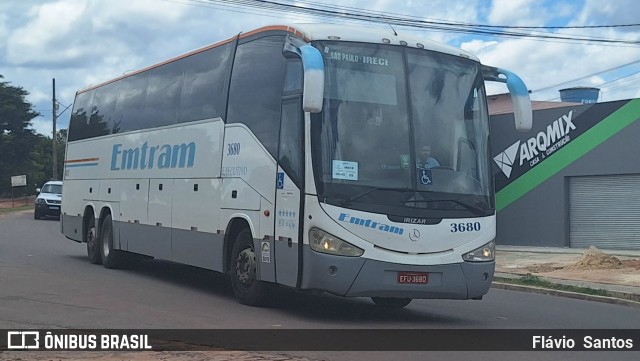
pixel 475 209
pixel 350 200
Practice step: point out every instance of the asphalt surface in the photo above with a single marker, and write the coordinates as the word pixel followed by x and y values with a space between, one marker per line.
pixel 47 282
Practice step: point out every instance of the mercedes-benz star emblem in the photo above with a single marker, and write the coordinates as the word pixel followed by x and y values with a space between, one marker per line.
pixel 414 235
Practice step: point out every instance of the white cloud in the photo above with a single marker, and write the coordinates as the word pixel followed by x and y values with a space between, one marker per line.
pixel 545 63
pixel 35 41
pixel 85 42
pixel 596 80
pixel 476 46
pixel 598 12
pixel 516 12
pixel 148 13
pixel 4 29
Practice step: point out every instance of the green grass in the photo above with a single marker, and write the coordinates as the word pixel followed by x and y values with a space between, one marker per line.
pixel 16 209
pixel 533 280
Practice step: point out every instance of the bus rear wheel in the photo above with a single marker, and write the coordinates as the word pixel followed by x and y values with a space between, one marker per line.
pixel 93 246
pixel 389 302
pixel 111 258
pixel 246 287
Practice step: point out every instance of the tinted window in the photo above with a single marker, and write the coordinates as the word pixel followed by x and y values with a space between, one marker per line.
pixel 131 102
pixel 188 89
pixel 80 116
pixel 102 108
pixel 204 93
pixel 163 97
pixel 256 88
pixel 291 146
pixel 293 76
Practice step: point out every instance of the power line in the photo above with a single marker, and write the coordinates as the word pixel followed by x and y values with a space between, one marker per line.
pixel 584 77
pixel 626 77
pixel 443 22
pixel 616 87
pixel 343 14
pixel 403 20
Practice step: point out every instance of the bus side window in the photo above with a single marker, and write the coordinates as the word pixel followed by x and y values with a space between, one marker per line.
pixel 131 102
pixel 163 96
pixel 291 140
pixel 293 76
pixel 206 79
pixel 257 83
pixel 102 107
pixel 80 116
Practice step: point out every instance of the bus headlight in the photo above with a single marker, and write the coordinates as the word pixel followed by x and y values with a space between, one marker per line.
pixel 323 242
pixel 485 253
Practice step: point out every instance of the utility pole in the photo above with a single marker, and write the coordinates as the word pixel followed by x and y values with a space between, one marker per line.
pixel 55 116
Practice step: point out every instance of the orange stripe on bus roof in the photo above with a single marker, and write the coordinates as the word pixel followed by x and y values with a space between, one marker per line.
pixel 288 29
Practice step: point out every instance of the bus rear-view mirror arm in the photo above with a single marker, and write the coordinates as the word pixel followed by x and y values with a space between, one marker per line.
pixel 313 67
pixel 519 95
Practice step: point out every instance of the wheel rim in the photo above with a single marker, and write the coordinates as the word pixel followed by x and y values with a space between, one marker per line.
pixel 246 266
pixel 91 238
pixel 105 243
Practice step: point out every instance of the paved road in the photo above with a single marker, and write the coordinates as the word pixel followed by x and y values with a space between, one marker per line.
pixel 46 281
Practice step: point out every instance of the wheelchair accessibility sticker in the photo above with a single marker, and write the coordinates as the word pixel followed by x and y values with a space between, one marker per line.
pixel 280 180
pixel 425 177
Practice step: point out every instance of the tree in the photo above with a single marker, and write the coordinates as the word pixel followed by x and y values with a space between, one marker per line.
pixel 61 147
pixel 17 140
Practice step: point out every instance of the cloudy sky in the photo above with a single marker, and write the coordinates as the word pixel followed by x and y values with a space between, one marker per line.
pixel 84 42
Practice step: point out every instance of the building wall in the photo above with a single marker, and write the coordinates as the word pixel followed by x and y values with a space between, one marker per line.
pixel 539 215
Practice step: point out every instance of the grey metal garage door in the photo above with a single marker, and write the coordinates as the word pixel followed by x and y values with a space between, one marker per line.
pixel 604 211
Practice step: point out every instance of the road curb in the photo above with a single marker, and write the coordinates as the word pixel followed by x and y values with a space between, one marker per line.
pixel 567 294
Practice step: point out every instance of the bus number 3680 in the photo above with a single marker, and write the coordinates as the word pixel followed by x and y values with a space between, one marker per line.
pixel 465 227
pixel 233 148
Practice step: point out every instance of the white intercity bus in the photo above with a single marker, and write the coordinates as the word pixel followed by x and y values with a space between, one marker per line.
pixel 295 155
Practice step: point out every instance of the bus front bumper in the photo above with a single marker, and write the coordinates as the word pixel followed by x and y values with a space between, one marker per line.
pixel 361 277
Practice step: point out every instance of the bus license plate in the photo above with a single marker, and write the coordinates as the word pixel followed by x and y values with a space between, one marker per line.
pixel 413 277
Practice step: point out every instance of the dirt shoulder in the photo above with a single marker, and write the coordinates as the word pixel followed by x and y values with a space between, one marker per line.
pixel 591 266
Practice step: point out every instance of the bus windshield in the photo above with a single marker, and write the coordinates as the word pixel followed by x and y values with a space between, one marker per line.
pixel 403 131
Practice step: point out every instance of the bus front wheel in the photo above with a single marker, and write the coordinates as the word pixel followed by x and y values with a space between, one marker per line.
pixel 391 302
pixel 246 287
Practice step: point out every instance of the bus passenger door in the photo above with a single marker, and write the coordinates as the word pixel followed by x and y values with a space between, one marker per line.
pixel 289 191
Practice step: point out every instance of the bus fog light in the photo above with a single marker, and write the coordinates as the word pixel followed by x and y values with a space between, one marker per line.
pixel 323 242
pixel 332 270
pixel 485 253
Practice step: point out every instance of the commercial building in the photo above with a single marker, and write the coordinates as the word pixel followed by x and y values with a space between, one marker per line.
pixel 573 180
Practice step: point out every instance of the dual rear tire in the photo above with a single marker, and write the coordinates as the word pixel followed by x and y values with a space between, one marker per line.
pixel 93 243
pixel 111 258
pixel 100 244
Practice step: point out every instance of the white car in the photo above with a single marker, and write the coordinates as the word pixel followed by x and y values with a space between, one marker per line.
pixel 48 200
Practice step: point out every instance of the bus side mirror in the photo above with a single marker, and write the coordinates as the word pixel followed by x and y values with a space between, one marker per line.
pixel 519 95
pixel 313 67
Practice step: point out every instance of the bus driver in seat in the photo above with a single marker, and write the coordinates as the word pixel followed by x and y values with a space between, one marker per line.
pixel 424 159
